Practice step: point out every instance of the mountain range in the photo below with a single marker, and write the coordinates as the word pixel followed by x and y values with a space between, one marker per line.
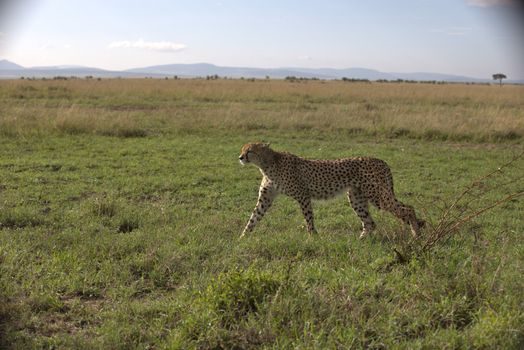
pixel 11 70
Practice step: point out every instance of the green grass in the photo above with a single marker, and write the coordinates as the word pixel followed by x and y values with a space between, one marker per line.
pixel 133 242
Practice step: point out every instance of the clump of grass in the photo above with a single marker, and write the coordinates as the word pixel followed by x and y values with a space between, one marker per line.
pixel 125 131
pixel 234 295
pixel 218 315
pixel 76 120
pixel 128 224
pixel 46 302
pixel 128 221
pixel 113 212
pixel 506 135
pixel 105 207
pixel 497 330
pixel 16 218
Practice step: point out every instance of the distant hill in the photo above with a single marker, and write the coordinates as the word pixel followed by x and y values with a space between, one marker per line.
pixel 10 70
pixel 206 69
pixel 421 76
pixel 8 65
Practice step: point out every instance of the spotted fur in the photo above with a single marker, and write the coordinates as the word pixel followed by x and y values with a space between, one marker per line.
pixel 364 179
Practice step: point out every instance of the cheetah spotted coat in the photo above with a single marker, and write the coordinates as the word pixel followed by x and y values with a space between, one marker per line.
pixel 364 179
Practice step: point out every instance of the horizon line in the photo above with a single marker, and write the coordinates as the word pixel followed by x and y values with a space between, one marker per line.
pixel 77 66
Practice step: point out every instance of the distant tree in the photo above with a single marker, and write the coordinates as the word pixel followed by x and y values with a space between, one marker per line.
pixel 499 77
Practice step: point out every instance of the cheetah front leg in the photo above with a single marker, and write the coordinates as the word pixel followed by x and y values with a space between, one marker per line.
pixel 307 211
pixel 266 194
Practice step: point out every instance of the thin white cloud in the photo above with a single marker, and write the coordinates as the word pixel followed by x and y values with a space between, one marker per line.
pixel 47 47
pixel 487 3
pixel 456 31
pixel 304 58
pixel 165 46
pixel 53 47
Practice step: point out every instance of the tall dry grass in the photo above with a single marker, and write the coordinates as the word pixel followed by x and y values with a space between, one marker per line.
pixel 129 107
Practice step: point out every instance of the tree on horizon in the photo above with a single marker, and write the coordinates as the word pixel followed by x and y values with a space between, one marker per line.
pixel 499 77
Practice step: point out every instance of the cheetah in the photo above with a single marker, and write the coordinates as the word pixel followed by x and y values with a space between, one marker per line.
pixel 364 179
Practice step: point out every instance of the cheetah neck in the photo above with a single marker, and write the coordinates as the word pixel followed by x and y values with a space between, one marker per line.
pixel 268 160
pixel 270 167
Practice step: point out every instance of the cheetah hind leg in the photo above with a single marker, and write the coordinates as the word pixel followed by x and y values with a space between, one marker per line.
pixel 360 206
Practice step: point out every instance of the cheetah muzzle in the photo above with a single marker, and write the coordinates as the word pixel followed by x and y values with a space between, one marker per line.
pixel 364 179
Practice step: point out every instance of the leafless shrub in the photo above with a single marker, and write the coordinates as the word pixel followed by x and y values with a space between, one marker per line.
pixel 469 204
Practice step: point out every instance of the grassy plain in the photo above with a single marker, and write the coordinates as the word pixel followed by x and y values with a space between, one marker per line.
pixel 121 203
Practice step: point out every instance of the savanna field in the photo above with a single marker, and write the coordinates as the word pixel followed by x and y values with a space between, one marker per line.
pixel 122 202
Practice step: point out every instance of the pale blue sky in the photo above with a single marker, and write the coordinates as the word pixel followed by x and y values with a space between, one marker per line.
pixel 466 37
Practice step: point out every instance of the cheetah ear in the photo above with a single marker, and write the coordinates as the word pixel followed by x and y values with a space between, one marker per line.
pixel 267 144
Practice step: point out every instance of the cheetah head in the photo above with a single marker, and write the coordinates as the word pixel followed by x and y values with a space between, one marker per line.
pixel 256 153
